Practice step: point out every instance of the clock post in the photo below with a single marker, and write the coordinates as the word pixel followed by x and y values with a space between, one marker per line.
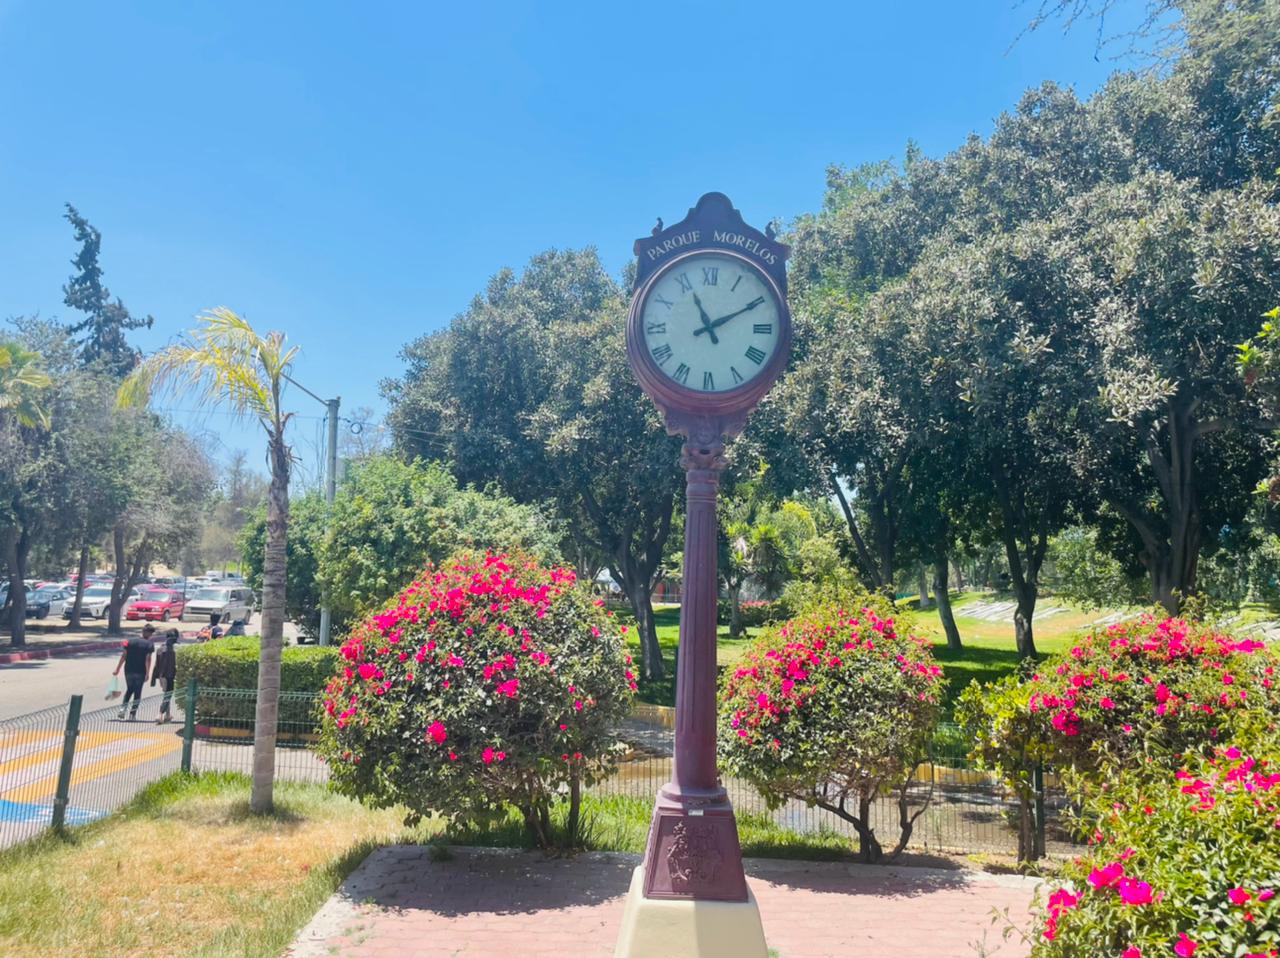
pixel 707 335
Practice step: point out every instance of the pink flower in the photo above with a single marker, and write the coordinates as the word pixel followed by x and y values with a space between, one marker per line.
pixel 488 756
pixel 509 688
pixel 1134 892
pixel 437 732
pixel 1185 947
pixel 1266 895
pixel 1107 703
pixel 1239 896
pixel 1132 952
pixel 368 670
pixel 1101 878
pixel 578 705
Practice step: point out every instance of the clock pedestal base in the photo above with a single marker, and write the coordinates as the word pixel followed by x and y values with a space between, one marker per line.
pixel 688 928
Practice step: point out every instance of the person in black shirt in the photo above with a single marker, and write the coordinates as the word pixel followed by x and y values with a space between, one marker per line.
pixel 136 661
pixel 165 671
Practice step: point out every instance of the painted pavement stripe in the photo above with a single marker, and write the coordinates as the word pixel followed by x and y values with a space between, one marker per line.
pixel 46 786
pixel 33 753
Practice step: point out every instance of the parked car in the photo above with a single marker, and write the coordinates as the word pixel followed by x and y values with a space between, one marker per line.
pixel 152 604
pixel 226 602
pixel 94 605
pixel 42 603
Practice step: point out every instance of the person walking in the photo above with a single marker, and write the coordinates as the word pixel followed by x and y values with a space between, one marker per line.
pixel 136 662
pixel 165 672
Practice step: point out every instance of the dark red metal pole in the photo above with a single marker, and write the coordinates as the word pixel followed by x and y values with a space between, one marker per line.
pixel 693 849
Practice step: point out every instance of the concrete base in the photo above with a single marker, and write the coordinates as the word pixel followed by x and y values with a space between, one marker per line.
pixel 683 928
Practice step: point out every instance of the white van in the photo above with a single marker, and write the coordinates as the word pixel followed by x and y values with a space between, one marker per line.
pixel 230 603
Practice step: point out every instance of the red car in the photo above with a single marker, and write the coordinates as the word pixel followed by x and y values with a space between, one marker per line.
pixel 161 604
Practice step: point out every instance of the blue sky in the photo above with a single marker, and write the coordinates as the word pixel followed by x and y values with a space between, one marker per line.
pixel 353 173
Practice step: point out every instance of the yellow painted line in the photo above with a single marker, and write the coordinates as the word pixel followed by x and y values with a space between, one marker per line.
pixel 47 786
pixel 86 740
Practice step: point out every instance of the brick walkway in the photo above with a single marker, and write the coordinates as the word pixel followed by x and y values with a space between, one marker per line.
pixel 487 903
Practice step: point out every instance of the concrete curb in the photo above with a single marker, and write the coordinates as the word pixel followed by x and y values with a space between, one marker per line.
pixel 29 655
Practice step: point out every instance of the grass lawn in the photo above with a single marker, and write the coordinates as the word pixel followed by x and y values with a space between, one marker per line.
pixel 186 869
pixel 988 653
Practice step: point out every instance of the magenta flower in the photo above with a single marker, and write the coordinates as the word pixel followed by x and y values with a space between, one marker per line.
pixel 1134 892
pixel 437 732
pixel 1185 947
pixel 1132 952
pixel 1101 878
pixel 1239 896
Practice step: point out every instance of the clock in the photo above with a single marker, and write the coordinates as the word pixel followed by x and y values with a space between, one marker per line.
pixel 710 322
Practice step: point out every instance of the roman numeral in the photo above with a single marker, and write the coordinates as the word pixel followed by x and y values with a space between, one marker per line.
pixel 735 283
pixel 681 374
pixel 665 302
pixel 686 286
pixel 708 381
pixel 755 355
pixel 710 275
pixel 763 329
pixel 662 354
pixel 737 376
pixel 655 329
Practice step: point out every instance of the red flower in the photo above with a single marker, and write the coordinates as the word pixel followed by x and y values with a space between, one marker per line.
pixel 437 732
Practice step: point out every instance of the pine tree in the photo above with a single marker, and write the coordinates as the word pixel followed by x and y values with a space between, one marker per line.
pixel 103 328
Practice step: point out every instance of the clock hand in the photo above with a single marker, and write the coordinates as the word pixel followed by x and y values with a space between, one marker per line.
pixel 707 326
pixel 709 330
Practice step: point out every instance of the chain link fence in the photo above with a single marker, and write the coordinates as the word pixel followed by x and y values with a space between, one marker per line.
pixel 63 766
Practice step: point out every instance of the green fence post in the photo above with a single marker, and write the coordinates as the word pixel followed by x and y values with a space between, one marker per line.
pixel 62 796
pixel 189 727
pixel 1038 784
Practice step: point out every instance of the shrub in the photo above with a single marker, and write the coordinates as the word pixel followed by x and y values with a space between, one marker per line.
pixel 753 614
pixel 232 663
pixel 829 708
pixel 1132 695
pixel 1182 864
pixel 490 681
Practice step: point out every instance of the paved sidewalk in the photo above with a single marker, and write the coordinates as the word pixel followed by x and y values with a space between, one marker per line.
pixel 486 903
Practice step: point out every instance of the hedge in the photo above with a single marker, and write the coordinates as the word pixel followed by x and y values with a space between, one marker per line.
pixel 232 663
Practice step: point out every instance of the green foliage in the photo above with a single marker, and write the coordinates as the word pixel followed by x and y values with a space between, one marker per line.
pixel 308 518
pixel 232 663
pixel 106 319
pixel 391 517
pixel 831 707
pixel 1181 863
pixel 1083 573
pixel 753 614
pixel 488 682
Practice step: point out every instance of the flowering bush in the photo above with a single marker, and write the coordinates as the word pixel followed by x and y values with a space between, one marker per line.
pixel 832 707
pixel 1133 695
pixel 1183 864
pixel 488 681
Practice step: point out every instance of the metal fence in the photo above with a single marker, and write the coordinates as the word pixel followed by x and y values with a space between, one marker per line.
pixel 63 767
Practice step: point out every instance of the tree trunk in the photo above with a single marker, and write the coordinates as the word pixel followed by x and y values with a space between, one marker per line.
pixel 273 605
pixel 1022 620
pixel 923 588
pixel 15 558
pixel 735 611
pixel 641 599
pixel 575 806
pixel 118 590
pixel 942 592
pixel 82 569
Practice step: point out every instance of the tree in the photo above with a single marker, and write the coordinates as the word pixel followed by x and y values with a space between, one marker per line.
pixel 240 494
pixel 226 362
pixel 308 523
pixel 23 417
pixel 530 388
pixel 105 319
pixel 391 517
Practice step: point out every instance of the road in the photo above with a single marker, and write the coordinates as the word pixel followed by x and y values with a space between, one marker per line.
pixel 44 683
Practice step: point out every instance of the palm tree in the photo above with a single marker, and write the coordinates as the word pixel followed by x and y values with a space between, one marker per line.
pixel 22 385
pixel 225 362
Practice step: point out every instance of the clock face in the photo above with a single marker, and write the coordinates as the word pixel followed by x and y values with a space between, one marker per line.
pixel 711 322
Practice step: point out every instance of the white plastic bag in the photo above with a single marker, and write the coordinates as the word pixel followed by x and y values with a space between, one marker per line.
pixel 113 688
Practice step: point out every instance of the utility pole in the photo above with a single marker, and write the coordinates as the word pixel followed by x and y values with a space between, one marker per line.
pixel 331 483
pixel 330 490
